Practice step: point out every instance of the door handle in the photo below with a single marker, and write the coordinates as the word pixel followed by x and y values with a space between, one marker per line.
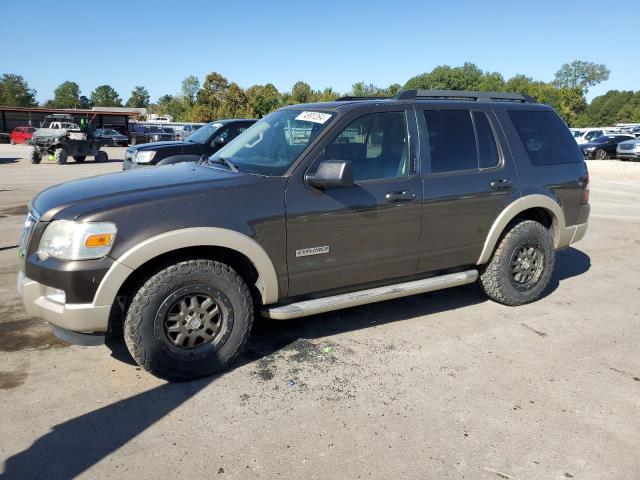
pixel 400 197
pixel 501 184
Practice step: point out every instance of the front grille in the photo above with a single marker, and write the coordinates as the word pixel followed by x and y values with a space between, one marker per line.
pixel 627 146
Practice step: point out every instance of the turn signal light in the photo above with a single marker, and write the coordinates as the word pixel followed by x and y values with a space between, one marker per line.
pixel 98 240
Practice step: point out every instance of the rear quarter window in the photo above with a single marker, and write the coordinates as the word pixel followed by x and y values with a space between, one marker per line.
pixel 546 139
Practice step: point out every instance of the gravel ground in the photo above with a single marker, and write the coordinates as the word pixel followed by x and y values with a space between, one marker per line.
pixel 440 385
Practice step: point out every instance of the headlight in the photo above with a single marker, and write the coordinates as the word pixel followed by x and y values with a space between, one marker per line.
pixel 145 157
pixel 67 240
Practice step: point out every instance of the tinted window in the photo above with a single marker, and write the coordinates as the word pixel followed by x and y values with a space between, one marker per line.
pixel 452 142
pixel 487 148
pixel 545 137
pixel 376 144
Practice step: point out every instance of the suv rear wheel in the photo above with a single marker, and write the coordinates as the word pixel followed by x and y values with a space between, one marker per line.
pixel 35 156
pixel 189 320
pixel 521 266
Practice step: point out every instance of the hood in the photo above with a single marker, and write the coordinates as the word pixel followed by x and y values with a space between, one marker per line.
pixel 71 199
pixel 156 145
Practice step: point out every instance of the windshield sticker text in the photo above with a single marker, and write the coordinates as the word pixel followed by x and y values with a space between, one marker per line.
pixel 315 117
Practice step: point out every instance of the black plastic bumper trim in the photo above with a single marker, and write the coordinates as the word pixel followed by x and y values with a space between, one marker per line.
pixel 77 338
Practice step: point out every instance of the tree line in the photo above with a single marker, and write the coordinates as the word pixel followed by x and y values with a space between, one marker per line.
pixel 216 97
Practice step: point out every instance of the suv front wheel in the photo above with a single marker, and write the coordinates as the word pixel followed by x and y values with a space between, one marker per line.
pixel 189 320
pixel 521 266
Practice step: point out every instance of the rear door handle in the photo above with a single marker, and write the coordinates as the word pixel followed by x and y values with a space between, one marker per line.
pixel 400 197
pixel 501 184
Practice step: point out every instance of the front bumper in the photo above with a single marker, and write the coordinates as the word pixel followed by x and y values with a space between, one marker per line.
pixel 628 155
pixel 129 165
pixel 77 317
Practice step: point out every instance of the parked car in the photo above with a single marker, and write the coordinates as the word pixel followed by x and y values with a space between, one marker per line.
pixel 111 137
pixel 169 131
pixel 205 141
pixel 143 134
pixel 183 131
pixel 316 207
pixel 604 146
pixel 586 135
pixel 21 135
pixel 629 150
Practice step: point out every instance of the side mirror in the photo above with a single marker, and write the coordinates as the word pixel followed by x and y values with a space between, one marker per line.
pixel 218 141
pixel 331 173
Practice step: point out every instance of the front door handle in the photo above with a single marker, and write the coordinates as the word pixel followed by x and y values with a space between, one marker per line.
pixel 400 197
pixel 501 184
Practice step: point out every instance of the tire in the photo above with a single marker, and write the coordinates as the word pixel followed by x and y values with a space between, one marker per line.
pixel 499 278
pixel 79 158
pixel 152 333
pixel 60 156
pixel 35 157
pixel 133 141
pixel 101 157
pixel 600 154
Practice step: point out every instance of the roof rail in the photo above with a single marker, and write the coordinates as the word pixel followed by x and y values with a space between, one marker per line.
pixel 349 98
pixel 414 94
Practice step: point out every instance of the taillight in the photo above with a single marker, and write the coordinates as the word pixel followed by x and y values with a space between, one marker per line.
pixel 584 183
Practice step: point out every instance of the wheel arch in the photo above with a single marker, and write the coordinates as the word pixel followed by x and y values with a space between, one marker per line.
pixel 244 252
pixel 540 208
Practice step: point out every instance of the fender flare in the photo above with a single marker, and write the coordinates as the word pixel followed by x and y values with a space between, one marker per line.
pixel 512 210
pixel 153 247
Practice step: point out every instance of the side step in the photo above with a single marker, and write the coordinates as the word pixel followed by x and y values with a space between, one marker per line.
pixel 353 299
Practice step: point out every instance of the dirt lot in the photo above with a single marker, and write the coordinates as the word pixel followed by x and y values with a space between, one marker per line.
pixel 441 385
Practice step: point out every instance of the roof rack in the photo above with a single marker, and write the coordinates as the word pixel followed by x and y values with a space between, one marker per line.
pixel 352 98
pixel 414 94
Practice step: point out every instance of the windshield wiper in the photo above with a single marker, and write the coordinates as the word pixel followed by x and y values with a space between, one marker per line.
pixel 223 161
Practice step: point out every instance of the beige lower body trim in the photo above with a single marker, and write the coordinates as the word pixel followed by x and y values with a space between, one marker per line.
pixel 80 317
pixel 362 297
pixel 572 234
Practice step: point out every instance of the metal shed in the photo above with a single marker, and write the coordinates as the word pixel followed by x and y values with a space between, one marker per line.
pixel 12 117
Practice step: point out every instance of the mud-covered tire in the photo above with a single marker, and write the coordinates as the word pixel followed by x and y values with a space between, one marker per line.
pixel 60 156
pixel 498 279
pixel 35 157
pixel 79 158
pixel 145 326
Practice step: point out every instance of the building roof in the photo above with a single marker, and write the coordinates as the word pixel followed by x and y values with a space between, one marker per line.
pixel 70 111
pixel 140 111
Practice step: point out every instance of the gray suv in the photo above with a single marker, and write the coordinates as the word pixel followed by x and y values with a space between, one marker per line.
pixel 314 208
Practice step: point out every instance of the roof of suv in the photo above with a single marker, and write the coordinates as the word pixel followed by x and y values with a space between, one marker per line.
pixel 451 97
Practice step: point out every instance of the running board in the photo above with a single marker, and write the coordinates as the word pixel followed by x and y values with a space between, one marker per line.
pixel 353 299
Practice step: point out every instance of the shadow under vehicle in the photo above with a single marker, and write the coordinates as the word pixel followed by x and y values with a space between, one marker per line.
pixel 62 136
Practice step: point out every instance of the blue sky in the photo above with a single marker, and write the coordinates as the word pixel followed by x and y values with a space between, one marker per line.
pixel 325 43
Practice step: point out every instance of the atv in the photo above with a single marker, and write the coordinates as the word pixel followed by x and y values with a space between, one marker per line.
pixel 60 137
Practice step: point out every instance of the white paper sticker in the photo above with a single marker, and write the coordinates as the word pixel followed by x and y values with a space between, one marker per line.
pixel 315 117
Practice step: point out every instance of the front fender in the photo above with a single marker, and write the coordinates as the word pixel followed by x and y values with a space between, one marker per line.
pixel 153 247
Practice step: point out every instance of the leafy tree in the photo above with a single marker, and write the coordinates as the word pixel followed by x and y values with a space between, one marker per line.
pixel 262 99
pixel 580 74
pixel 105 96
pixel 234 103
pixel 326 95
pixel 66 95
pixel 392 89
pixel 15 91
pixel 190 87
pixel 139 97
pixel 613 107
pixel 211 94
pixel 174 106
pixel 85 102
pixel 301 93
pixel 362 89
pixel 444 77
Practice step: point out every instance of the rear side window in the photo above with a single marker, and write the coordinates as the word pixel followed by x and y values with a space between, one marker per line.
pixel 487 149
pixel 452 141
pixel 545 137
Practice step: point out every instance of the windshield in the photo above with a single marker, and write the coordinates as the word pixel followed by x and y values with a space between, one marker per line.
pixel 602 139
pixel 203 134
pixel 271 145
pixel 154 129
pixel 108 131
pixel 167 130
pixel 577 133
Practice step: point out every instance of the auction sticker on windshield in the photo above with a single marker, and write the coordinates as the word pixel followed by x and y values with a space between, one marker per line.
pixel 315 117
